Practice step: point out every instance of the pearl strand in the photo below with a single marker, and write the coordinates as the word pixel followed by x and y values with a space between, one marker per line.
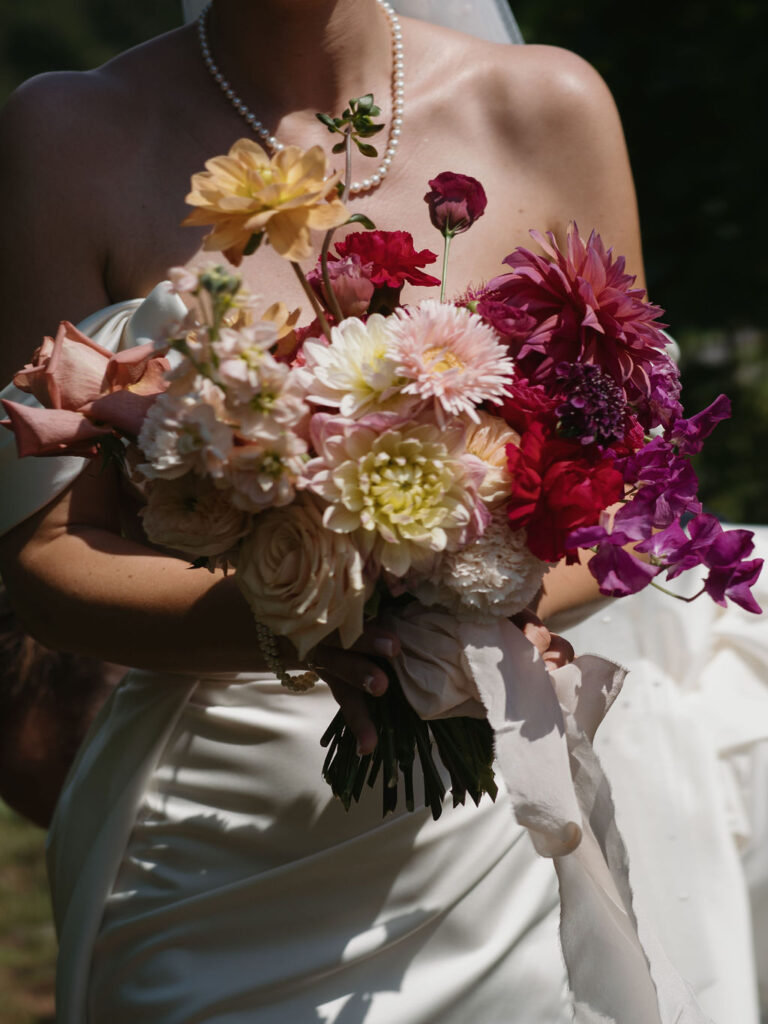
pixel 398 93
pixel 268 647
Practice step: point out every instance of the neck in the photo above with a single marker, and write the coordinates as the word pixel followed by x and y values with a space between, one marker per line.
pixel 289 56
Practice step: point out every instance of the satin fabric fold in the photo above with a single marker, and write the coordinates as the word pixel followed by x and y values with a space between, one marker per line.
pixel 544 724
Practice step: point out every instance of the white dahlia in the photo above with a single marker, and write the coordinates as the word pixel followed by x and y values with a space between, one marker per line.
pixel 357 372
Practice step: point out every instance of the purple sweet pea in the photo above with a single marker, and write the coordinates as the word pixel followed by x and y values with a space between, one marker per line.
pixel 455 202
pixel 619 573
pixel 734 582
pixel 688 435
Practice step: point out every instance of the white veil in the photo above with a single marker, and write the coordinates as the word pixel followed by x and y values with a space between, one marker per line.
pixel 486 19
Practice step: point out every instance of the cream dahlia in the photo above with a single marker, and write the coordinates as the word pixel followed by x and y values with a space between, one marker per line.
pixel 408 486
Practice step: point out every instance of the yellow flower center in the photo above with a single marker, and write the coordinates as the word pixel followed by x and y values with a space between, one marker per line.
pixel 442 359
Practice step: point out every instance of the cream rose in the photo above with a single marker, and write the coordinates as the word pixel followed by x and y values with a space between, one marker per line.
pixel 191 515
pixel 301 579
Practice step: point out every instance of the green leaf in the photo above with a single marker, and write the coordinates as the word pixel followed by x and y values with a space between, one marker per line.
pixel 253 243
pixel 328 121
pixel 365 149
pixel 360 218
pixel 339 147
pixel 364 103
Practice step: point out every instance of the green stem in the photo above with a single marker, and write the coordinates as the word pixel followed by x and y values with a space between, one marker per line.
pixel 330 295
pixel 678 597
pixel 448 238
pixel 318 309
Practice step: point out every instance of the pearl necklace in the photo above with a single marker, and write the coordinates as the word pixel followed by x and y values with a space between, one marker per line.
pixel 398 89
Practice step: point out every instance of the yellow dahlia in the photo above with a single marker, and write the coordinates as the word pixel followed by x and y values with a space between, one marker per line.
pixel 246 192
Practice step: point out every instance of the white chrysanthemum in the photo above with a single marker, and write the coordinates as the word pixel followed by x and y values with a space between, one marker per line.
pixel 408 487
pixel 191 515
pixel 357 371
pixel 487 440
pixel 449 355
pixel 496 575
pixel 266 476
pixel 184 433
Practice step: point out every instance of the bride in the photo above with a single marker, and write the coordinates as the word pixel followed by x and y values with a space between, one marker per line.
pixel 199 870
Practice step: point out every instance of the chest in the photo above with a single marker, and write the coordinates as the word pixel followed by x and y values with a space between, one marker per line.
pixel 152 238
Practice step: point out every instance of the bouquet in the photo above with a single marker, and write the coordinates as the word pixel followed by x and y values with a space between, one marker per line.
pixel 389 459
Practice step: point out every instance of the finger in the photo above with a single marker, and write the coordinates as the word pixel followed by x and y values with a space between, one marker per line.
pixel 533 629
pixel 352 668
pixel 376 640
pixel 355 711
pixel 559 652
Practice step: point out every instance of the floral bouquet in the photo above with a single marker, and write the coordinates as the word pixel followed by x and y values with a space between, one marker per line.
pixel 390 459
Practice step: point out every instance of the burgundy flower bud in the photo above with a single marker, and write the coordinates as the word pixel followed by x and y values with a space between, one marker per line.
pixel 455 202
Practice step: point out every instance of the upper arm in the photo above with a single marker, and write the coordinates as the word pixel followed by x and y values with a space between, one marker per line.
pixel 51 262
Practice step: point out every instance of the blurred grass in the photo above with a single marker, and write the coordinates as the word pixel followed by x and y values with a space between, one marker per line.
pixel 27 940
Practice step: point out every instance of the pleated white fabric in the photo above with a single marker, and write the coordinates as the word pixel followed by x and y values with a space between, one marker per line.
pixel 686 749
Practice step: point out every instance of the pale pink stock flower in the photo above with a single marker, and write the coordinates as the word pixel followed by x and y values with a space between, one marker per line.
pixel 449 356
pixel 184 432
pixel 407 485
pixel 302 580
pixel 243 361
pixel 190 514
pixel 266 475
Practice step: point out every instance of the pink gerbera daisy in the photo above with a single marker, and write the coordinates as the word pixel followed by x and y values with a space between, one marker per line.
pixel 449 355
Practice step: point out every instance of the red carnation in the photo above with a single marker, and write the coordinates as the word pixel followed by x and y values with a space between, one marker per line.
pixel 391 256
pixel 556 488
pixel 455 202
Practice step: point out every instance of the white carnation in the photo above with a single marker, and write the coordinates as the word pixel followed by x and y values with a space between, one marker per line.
pixel 496 575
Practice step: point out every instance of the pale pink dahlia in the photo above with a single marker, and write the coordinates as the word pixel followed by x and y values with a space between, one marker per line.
pixel 450 356
pixel 586 311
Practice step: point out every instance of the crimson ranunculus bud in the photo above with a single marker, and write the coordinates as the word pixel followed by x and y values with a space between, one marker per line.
pixel 455 202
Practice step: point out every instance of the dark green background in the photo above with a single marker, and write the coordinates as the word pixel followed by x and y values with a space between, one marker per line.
pixel 687 76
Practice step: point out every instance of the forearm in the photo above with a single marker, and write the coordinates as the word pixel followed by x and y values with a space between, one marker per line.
pixel 565 587
pixel 92 592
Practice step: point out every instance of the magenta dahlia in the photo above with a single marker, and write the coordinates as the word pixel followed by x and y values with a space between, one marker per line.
pixel 586 311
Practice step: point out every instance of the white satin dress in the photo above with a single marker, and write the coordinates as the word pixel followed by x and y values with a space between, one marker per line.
pixel 202 872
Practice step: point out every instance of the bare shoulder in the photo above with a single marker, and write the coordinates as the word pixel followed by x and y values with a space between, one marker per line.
pixel 85 110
